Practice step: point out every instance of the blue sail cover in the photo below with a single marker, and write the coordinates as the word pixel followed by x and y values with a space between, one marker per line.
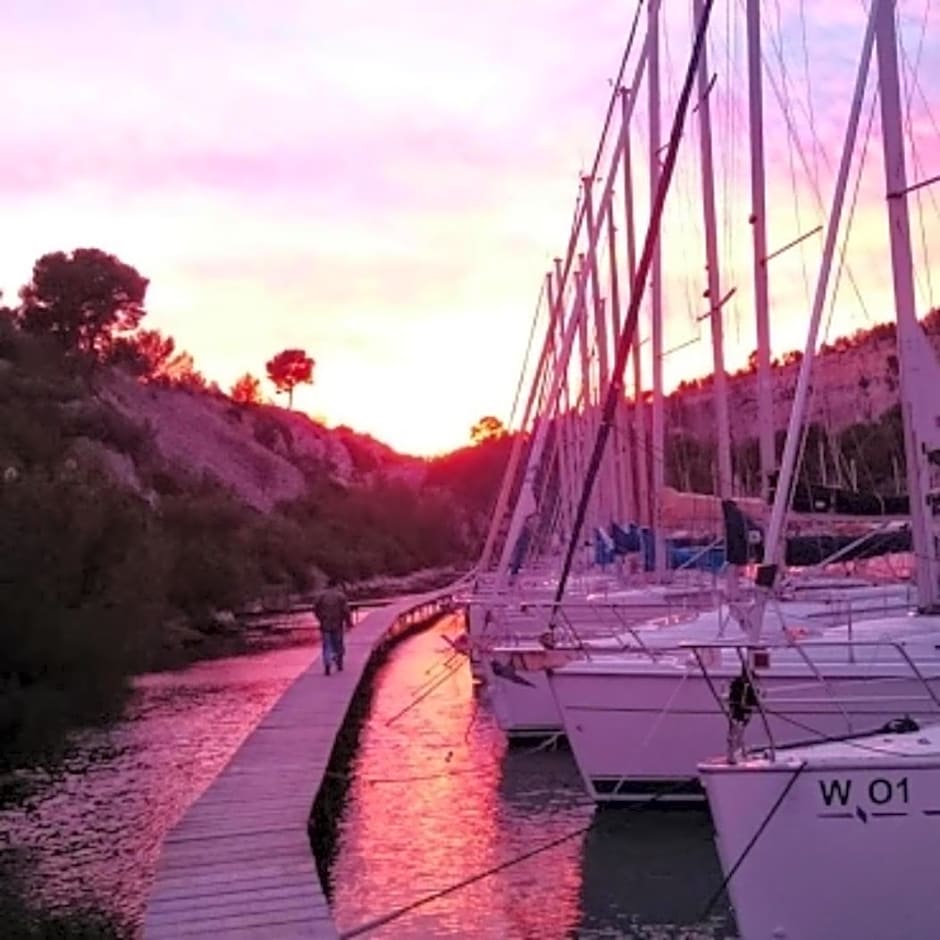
pixel 626 538
pixel 696 557
pixel 604 552
pixel 680 553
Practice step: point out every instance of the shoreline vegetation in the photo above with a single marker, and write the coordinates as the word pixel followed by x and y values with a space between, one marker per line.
pixel 271 624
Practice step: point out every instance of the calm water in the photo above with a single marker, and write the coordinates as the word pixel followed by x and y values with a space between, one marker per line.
pixel 89 837
pixel 435 797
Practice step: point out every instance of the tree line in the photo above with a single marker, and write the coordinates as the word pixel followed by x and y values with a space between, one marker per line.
pixel 91 304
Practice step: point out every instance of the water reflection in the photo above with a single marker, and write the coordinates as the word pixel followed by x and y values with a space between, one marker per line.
pixel 89 836
pixel 427 807
pixel 436 797
pixel 650 869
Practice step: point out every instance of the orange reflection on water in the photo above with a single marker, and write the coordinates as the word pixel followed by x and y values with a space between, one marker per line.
pixel 90 833
pixel 435 799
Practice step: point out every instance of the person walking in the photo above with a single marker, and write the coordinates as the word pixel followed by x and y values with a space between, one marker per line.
pixel 332 610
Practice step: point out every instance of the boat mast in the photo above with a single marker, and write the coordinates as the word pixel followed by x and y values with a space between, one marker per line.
pixel 765 416
pixel 561 455
pixel 586 423
pixel 605 502
pixel 714 280
pixel 639 451
pixel 623 473
pixel 658 482
pixel 563 411
pixel 773 545
pixel 509 474
pixel 902 268
pixel 644 265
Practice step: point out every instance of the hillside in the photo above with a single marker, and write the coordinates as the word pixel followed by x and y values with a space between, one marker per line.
pixel 853 429
pixel 262 454
pixel 138 515
pixel 855 380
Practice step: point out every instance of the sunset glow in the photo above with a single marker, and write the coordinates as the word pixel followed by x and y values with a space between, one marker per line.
pixel 384 185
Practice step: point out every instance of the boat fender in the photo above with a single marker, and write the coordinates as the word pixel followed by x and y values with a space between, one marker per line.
pixel 905 725
pixel 742 698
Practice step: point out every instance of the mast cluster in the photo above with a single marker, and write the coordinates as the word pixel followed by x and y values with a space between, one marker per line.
pixel 588 468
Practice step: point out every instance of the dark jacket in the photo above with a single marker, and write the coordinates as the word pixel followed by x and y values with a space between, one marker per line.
pixel 332 609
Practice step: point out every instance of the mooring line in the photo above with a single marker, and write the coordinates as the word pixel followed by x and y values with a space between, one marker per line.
pixel 420 698
pixel 399 912
pixel 747 849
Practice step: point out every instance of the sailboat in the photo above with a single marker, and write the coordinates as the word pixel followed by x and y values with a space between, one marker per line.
pixel 869 805
pixel 564 413
pixel 633 631
pixel 515 665
pixel 640 720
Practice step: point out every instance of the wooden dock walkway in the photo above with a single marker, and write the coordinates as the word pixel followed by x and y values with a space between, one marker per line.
pixel 239 862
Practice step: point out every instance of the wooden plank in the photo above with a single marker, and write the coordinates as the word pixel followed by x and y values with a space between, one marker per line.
pixel 233 800
pixel 216 839
pixel 274 924
pixel 232 849
pixel 231 860
pixel 210 879
pixel 323 929
pixel 210 909
pixel 272 820
pixel 297 930
pixel 219 895
pixel 177 843
pixel 181 893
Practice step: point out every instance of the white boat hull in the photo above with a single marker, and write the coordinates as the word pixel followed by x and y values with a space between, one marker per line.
pixel 526 707
pixel 522 706
pixel 847 851
pixel 644 734
pixel 523 709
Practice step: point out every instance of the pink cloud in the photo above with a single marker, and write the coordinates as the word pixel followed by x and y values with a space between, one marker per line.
pixel 377 180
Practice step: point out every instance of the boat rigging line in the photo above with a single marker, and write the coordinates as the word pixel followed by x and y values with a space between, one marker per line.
pixel 525 358
pixel 615 94
pixel 625 340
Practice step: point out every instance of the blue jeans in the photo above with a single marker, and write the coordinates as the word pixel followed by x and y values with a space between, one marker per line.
pixel 333 648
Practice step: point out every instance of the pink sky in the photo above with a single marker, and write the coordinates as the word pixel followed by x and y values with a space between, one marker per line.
pixel 382 184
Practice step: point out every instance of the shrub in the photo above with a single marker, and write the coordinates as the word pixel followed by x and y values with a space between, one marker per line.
pixel 212 567
pixel 30 435
pixel 81 607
